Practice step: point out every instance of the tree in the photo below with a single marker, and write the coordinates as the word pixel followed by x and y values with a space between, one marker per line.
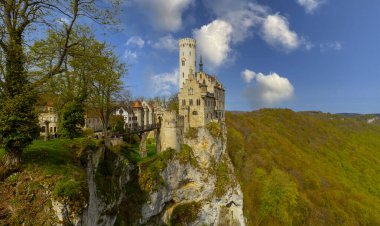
pixel 72 120
pixel 106 84
pixel 173 104
pixel 18 20
pixel 117 124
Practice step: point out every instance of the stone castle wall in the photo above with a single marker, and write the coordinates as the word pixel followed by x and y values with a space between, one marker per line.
pixel 169 131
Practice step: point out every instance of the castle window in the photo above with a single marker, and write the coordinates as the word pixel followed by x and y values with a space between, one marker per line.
pixel 190 53
pixel 183 63
pixel 183 102
pixel 183 74
pixel 195 113
pixel 191 102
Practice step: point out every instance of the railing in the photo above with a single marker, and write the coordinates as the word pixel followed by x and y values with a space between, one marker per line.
pixel 140 129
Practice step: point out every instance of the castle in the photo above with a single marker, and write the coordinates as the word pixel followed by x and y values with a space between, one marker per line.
pixel 201 98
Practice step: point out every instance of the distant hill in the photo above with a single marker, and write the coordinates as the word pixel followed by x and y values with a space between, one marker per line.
pixel 306 168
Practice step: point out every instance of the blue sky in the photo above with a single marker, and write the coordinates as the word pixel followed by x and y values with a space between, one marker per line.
pixel 299 54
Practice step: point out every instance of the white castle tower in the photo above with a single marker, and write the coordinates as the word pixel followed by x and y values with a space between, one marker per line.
pixel 187 56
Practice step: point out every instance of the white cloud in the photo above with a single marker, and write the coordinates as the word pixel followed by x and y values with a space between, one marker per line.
pixel 330 46
pixel 310 5
pixel 165 14
pixel 213 41
pixel 248 75
pixel 130 56
pixel 276 32
pixel 135 40
pixel 244 18
pixel 242 15
pixel 167 42
pixel 269 90
pixel 166 83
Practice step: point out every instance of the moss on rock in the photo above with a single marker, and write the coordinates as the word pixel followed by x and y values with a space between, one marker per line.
pixel 185 213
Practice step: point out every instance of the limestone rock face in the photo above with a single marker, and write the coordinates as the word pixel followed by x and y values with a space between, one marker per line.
pixel 101 207
pixel 205 186
pixel 100 204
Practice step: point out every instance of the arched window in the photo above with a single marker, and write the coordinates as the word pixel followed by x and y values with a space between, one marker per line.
pixel 183 63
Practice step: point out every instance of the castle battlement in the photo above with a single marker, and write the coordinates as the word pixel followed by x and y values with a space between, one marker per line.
pixel 187 41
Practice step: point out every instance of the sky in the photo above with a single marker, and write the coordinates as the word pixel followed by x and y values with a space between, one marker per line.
pixel 321 55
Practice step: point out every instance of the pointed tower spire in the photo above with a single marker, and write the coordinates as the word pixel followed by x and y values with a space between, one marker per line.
pixel 201 65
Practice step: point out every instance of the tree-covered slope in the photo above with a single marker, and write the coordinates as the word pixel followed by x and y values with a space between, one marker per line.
pixel 306 168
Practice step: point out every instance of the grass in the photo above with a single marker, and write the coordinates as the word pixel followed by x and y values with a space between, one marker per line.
pixel 132 151
pixel 53 166
pixel 306 168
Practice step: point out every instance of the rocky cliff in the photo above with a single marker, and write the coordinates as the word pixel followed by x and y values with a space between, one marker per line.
pixel 196 185
pixel 85 182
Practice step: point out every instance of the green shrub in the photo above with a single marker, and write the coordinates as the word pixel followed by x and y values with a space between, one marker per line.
pixel 215 129
pixel 72 120
pixel 186 155
pixel 88 132
pixel 150 178
pixel 223 181
pixel 192 133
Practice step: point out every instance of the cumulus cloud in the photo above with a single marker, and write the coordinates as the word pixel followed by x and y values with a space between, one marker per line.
pixel 135 41
pixel 165 14
pixel 276 32
pixel 330 46
pixel 167 43
pixel 267 90
pixel 241 14
pixel 213 41
pixel 166 83
pixel 248 75
pixel 310 5
pixel 241 19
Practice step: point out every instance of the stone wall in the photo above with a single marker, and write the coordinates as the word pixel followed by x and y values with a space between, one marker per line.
pixel 169 131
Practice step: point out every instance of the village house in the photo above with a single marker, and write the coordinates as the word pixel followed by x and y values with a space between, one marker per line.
pixel 48 119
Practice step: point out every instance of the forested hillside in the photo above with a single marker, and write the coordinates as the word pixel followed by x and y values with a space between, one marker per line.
pixel 306 168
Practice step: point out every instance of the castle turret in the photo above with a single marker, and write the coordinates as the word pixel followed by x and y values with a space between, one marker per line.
pixel 187 59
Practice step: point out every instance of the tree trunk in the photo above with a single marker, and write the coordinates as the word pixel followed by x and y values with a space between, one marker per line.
pixel 10 163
